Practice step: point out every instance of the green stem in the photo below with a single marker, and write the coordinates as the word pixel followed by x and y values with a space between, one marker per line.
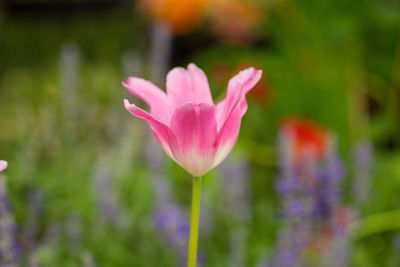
pixel 194 222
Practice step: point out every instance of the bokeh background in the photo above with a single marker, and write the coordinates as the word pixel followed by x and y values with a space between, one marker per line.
pixel 88 186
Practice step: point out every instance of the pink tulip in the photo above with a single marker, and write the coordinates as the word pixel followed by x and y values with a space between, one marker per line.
pixel 3 165
pixel 191 129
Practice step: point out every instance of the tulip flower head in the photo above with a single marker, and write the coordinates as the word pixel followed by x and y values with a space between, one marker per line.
pixel 3 165
pixel 192 130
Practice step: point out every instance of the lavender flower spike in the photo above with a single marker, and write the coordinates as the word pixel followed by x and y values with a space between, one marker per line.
pixel 309 185
pixel 8 244
pixel 363 158
pixel 235 176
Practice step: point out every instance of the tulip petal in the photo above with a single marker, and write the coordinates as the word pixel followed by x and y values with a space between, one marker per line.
pixel 188 86
pixel 227 136
pixel 225 107
pixel 231 110
pixel 3 165
pixel 160 130
pixel 154 97
pixel 194 130
pixel 240 84
pixel 249 78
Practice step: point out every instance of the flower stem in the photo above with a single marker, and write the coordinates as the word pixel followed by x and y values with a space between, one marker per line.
pixel 194 222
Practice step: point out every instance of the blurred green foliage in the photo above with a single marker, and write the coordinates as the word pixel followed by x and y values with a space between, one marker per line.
pixel 336 62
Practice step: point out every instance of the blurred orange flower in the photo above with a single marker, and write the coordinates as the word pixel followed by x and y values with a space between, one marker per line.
pixel 234 21
pixel 308 137
pixel 182 16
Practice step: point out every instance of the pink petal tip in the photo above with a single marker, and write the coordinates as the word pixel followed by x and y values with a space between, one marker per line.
pixel 3 165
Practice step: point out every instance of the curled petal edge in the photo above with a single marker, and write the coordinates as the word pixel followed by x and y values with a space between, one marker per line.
pixel 160 130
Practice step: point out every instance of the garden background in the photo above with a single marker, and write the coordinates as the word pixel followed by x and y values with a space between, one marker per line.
pixel 88 186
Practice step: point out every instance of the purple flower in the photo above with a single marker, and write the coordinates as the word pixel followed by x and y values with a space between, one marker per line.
pixel 235 177
pixel 31 228
pixel 73 228
pixel 310 189
pixel 327 191
pixel 174 226
pixel 287 258
pixel 9 248
pixel 172 223
pixel 363 158
pixel 109 207
pixel 235 174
